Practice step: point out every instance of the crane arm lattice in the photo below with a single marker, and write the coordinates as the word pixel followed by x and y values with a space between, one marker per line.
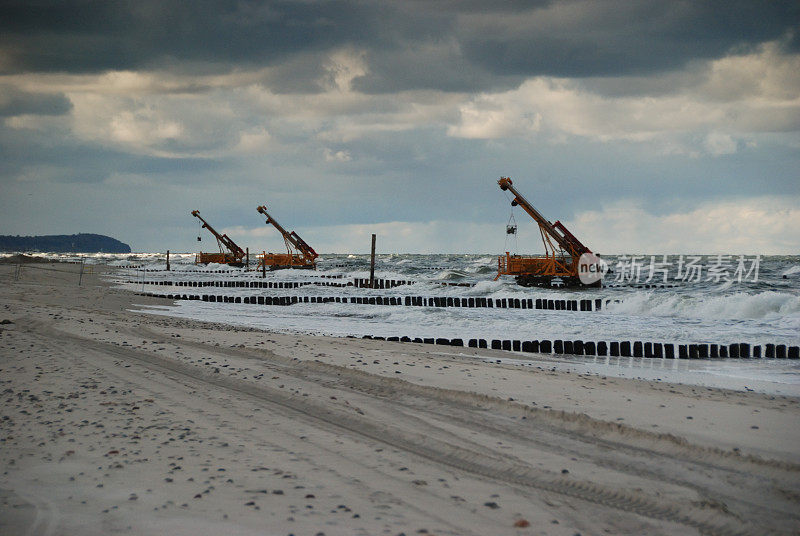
pixel 557 231
pixel 222 239
pixel 291 239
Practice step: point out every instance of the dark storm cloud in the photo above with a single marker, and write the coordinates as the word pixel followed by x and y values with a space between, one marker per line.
pixel 91 36
pixel 430 45
pixel 623 38
pixel 33 154
pixel 14 102
pixel 86 36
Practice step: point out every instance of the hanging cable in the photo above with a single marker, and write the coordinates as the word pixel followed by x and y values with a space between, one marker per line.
pixel 511 226
pixel 511 232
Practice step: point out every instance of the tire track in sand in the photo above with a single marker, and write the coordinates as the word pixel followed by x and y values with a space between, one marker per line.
pixel 432 449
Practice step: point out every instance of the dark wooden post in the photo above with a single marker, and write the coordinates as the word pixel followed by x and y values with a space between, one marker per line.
pixel 372 265
pixel 247 257
pixel 168 260
pixel 264 265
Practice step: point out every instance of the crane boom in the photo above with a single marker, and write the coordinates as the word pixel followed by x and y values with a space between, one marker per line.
pixel 222 239
pixel 291 238
pixel 560 264
pixel 567 241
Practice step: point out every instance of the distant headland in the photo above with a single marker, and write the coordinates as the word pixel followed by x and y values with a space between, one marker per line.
pixel 77 243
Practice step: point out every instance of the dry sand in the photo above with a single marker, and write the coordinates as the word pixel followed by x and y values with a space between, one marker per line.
pixel 120 422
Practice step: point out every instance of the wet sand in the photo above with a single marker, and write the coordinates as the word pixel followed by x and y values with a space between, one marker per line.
pixel 119 422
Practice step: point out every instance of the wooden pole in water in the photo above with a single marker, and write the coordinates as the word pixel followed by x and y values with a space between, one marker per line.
pixel 372 265
pixel 264 265
pixel 168 260
pixel 247 262
pixel 80 277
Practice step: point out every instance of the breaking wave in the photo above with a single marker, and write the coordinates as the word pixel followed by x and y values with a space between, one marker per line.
pixel 763 305
pixel 792 270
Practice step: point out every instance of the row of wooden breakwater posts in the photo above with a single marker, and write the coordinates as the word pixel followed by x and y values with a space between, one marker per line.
pixel 409 301
pixel 617 348
pixel 357 283
pixel 558 347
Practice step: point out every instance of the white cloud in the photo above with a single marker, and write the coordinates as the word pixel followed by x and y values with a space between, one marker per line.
pixel 337 156
pixel 165 125
pixel 732 97
pixel 563 107
pixel 33 122
pixel 253 141
pixel 723 103
pixel 766 74
pixel 392 237
pixel 488 117
pixel 717 144
pixel 142 128
pixel 129 180
pixel 342 67
pixel 765 225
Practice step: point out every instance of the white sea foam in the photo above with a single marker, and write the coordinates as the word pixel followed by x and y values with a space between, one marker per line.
pixel 757 312
pixel 762 305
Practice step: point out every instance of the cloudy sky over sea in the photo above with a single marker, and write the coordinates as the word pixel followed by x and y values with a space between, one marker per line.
pixel 645 126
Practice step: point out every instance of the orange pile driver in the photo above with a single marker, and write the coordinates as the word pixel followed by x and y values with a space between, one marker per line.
pixel 559 266
pixel 298 253
pixel 233 257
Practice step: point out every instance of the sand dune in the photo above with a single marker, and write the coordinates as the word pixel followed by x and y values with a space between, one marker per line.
pixel 115 421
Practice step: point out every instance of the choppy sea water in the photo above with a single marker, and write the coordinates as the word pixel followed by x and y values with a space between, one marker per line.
pixel 706 299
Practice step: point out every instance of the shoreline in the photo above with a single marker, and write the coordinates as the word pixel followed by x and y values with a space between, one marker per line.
pixel 677 371
pixel 353 409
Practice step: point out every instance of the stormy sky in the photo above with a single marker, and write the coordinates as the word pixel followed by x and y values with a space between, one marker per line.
pixel 644 126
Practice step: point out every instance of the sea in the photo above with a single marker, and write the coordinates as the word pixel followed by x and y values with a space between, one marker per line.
pixel 678 299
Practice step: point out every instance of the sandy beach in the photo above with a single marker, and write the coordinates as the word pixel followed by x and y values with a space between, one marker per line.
pixel 119 422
